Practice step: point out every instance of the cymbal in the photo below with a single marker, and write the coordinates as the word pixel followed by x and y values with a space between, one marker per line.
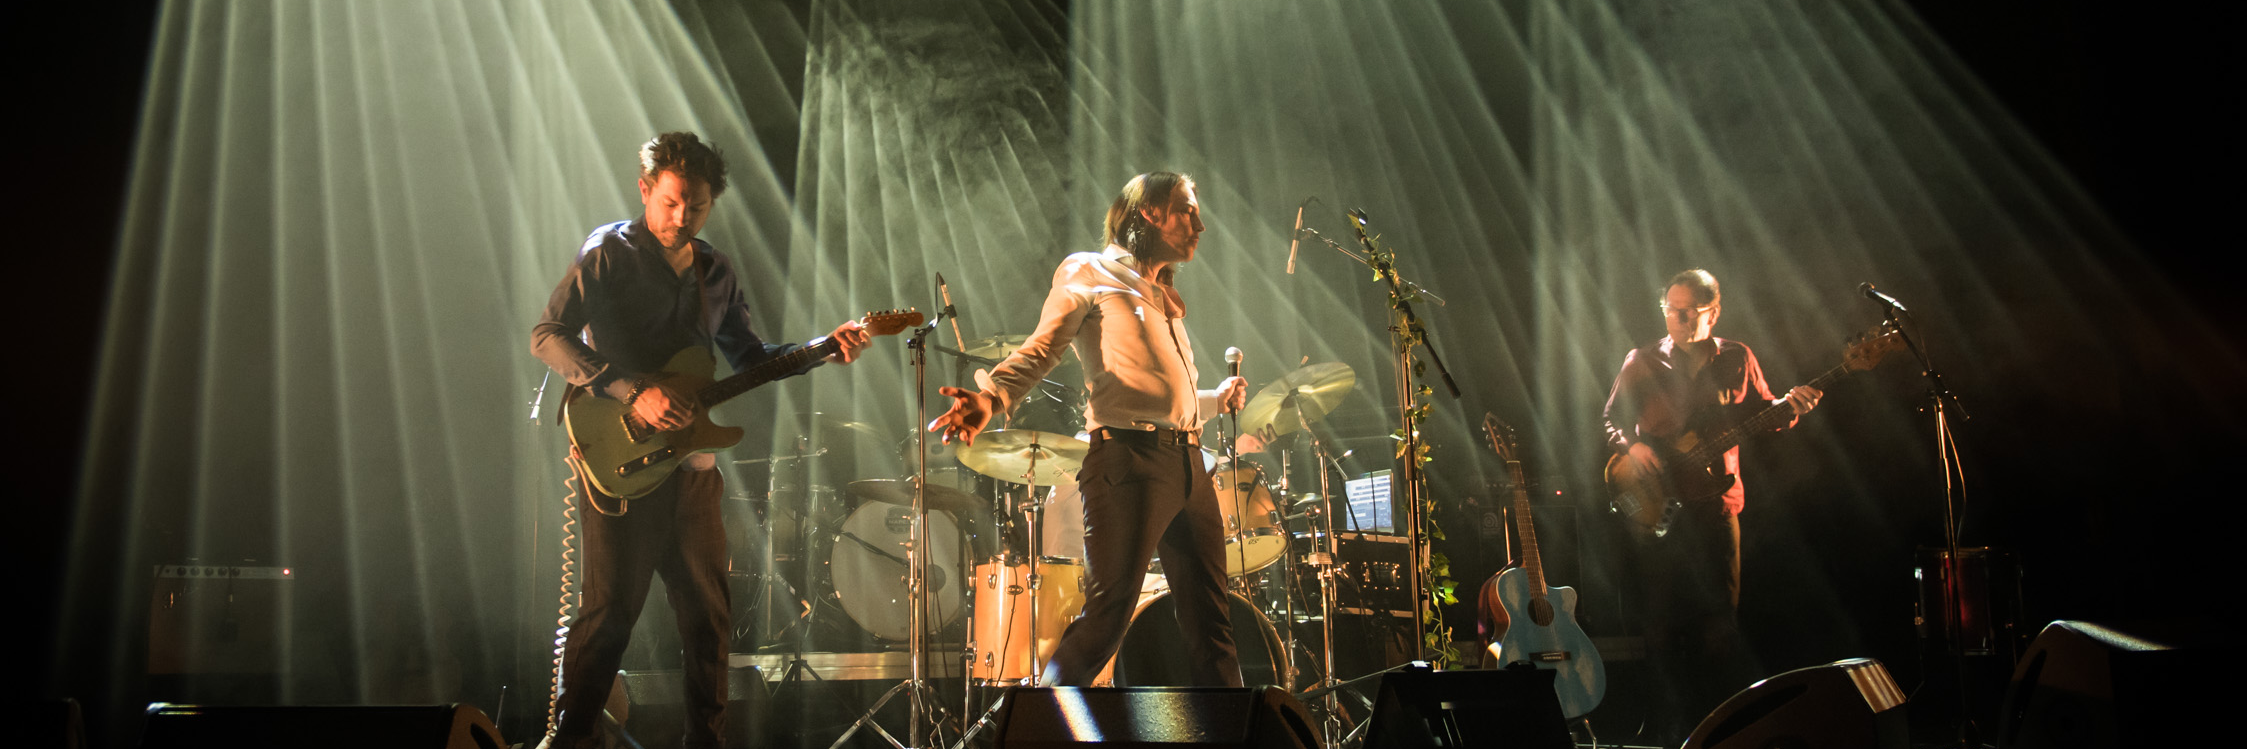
pixel 1009 454
pixel 1000 346
pixel 900 492
pixel 1315 389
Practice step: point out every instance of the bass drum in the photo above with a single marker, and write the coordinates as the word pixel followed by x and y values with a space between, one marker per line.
pixel 1153 653
pixel 866 568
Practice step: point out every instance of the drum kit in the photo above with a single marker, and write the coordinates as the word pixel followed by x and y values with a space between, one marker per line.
pixel 1006 545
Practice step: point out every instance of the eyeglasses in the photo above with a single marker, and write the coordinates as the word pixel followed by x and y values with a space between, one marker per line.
pixel 1686 313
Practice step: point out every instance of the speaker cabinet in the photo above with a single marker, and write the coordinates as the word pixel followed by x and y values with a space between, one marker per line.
pixel 1420 707
pixel 1265 718
pixel 2085 685
pixel 337 727
pixel 1850 704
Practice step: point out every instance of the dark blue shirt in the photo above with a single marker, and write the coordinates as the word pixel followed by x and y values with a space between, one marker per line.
pixel 635 312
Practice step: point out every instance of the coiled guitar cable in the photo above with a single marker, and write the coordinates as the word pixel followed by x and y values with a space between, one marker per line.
pixel 577 483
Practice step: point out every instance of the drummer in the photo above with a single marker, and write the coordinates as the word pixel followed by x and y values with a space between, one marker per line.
pixel 1144 484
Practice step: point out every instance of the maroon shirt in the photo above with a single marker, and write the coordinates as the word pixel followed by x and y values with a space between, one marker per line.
pixel 1652 399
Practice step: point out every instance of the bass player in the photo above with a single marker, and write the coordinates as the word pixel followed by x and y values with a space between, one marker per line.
pixel 1692 382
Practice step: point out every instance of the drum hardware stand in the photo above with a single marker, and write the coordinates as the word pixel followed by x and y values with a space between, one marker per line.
pixel 1033 536
pixel 917 690
pixel 1324 561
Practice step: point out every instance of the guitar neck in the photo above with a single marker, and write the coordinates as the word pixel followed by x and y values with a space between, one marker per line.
pixel 772 369
pixel 1764 420
pixel 1526 527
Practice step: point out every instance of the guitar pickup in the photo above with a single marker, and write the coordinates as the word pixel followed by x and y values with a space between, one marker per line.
pixel 633 431
pixel 641 463
pixel 1552 656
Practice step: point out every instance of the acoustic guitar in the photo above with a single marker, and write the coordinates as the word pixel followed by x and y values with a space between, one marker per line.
pixel 1541 629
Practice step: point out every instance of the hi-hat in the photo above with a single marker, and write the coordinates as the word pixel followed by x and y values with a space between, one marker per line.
pixel 900 492
pixel 1013 454
pixel 1315 390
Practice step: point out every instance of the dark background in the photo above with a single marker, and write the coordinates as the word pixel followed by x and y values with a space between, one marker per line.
pixel 2122 96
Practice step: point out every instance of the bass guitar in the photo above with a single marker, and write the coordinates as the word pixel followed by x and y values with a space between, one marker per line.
pixel 1693 464
pixel 627 457
pixel 1541 629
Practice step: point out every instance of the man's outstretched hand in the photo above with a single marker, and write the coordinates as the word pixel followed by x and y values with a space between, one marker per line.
pixel 971 411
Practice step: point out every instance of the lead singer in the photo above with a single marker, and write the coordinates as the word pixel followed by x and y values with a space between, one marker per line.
pixel 1144 485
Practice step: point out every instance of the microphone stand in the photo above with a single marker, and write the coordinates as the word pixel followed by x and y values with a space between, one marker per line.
pixel 1406 334
pixel 916 686
pixel 1942 401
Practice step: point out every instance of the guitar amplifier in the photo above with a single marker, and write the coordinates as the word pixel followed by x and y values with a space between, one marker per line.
pixel 216 619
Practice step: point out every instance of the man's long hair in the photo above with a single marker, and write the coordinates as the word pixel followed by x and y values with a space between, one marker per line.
pixel 1126 227
pixel 687 155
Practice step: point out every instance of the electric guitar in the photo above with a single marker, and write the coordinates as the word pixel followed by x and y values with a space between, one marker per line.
pixel 627 457
pixel 1542 629
pixel 1693 465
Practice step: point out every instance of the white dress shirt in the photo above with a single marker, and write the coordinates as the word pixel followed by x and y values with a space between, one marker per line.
pixel 1129 331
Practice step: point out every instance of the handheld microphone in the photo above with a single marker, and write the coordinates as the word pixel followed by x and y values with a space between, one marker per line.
pixel 1867 289
pixel 1233 362
pixel 953 314
pixel 1295 238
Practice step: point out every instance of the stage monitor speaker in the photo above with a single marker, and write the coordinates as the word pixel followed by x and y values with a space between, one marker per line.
pixel 1848 704
pixel 1263 718
pixel 1421 707
pixel 172 726
pixel 2085 685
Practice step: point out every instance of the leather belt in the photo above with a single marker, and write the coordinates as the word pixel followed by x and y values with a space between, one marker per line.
pixel 1159 435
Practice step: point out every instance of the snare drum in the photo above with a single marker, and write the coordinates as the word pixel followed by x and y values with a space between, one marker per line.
pixel 1254 538
pixel 1153 652
pixel 1002 616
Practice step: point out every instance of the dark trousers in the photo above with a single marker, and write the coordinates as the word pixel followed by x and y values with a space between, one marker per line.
pixel 675 531
pixel 1142 495
pixel 1692 599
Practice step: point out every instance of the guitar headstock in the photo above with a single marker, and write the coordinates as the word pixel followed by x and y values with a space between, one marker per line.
pixel 892 321
pixel 1501 437
pixel 1867 348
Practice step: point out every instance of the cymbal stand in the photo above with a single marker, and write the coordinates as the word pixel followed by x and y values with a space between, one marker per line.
pixel 1033 539
pixel 916 686
pixel 1324 560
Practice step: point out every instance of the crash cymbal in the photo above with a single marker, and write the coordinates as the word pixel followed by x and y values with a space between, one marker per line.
pixel 900 492
pixel 998 347
pixel 1009 454
pixel 995 347
pixel 1315 389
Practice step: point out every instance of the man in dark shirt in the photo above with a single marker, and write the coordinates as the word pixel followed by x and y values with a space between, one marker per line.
pixel 639 292
pixel 1693 381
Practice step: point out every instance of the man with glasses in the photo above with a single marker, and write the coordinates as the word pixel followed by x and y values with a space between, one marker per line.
pixel 1693 382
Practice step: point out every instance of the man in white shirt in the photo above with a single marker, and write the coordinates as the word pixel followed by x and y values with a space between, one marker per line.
pixel 1144 485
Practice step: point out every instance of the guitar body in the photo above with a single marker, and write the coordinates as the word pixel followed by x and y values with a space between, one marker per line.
pixel 1550 640
pixel 628 459
pixel 1650 500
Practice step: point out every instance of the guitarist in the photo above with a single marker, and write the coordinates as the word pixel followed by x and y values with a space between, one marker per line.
pixel 640 291
pixel 1693 381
